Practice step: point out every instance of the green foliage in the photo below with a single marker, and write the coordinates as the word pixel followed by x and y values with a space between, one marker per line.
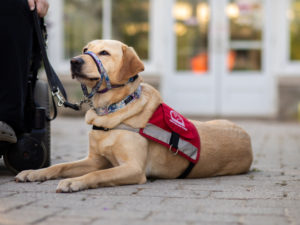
pixel 130 24
pixel 295 31
pixel 82 23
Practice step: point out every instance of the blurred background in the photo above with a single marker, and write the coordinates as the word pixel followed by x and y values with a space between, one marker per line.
pixel 217 58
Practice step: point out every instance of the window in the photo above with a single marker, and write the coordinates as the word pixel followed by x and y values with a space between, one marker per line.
pixel 191 30
pixel 245 38
pixel 294 29
pixel 130 24
pixel 82 23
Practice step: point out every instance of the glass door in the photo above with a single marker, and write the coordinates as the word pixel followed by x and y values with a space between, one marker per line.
pixel 246 85
pixel 189 84
pixel 218 53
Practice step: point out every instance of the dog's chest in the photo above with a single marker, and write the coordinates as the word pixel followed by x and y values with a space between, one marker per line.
pixel 102 144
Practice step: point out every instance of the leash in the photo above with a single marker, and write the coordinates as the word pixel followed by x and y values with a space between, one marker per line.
pixel 57 89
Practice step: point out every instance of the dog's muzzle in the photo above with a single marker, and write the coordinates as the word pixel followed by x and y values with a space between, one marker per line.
pixel 103 74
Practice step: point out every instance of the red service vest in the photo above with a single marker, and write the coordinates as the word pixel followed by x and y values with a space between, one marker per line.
pixel 171 129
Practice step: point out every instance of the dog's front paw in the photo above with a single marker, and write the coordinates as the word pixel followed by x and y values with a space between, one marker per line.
pixel 90 116
pixel 30 176
pixel 71 185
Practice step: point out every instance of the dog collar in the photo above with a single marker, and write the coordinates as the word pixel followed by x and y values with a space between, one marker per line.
pixel 101 111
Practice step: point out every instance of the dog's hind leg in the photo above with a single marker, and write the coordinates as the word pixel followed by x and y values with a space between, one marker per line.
pixel 72 169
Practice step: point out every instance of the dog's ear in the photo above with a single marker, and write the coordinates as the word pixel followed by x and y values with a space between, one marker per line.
pixel 131 64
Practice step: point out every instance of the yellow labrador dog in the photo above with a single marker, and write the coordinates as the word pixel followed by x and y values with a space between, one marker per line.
pixel 123 156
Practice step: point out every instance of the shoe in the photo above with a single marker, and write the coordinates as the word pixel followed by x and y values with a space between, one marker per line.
pixel 7 133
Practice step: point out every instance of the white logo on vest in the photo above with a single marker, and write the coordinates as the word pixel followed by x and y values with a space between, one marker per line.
pixel 177 119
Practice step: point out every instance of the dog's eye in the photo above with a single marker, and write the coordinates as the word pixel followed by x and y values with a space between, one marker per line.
pixel 84 50
pixel 103 53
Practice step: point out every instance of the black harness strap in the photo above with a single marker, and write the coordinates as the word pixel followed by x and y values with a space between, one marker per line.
pixel 174 140
pixel 187 171
pixel 174 143
pixel 100 128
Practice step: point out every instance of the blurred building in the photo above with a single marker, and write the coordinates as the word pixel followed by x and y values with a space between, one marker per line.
pixel 212 57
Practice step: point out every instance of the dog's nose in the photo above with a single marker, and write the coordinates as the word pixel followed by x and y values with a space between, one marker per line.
pixel 77 61
pixel 76 64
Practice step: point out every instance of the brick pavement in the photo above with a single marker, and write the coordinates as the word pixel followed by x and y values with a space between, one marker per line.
pixel 269 194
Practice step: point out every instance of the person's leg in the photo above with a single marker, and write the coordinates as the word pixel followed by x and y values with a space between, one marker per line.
pixel 16 43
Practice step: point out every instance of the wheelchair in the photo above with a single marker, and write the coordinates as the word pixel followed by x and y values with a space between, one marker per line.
pixel 32 150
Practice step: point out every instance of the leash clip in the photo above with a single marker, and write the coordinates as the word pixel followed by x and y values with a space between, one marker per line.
pixel 87 101
pixel 60 98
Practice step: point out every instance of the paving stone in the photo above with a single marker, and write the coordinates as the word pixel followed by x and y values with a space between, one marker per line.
pixel 164 192
pixel 264 220
pixel 27 215
pixel 269 194
pixel 191 217
pixel 136 222
pixel 64 220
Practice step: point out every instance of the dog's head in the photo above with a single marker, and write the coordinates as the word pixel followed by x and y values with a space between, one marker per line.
pixel 120 62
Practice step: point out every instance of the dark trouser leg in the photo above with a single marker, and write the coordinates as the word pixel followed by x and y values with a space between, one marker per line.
pixel 16 44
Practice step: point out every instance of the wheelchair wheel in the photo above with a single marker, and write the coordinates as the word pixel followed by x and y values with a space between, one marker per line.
pixel 32 152
pixel 27 153
pixel 41 96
